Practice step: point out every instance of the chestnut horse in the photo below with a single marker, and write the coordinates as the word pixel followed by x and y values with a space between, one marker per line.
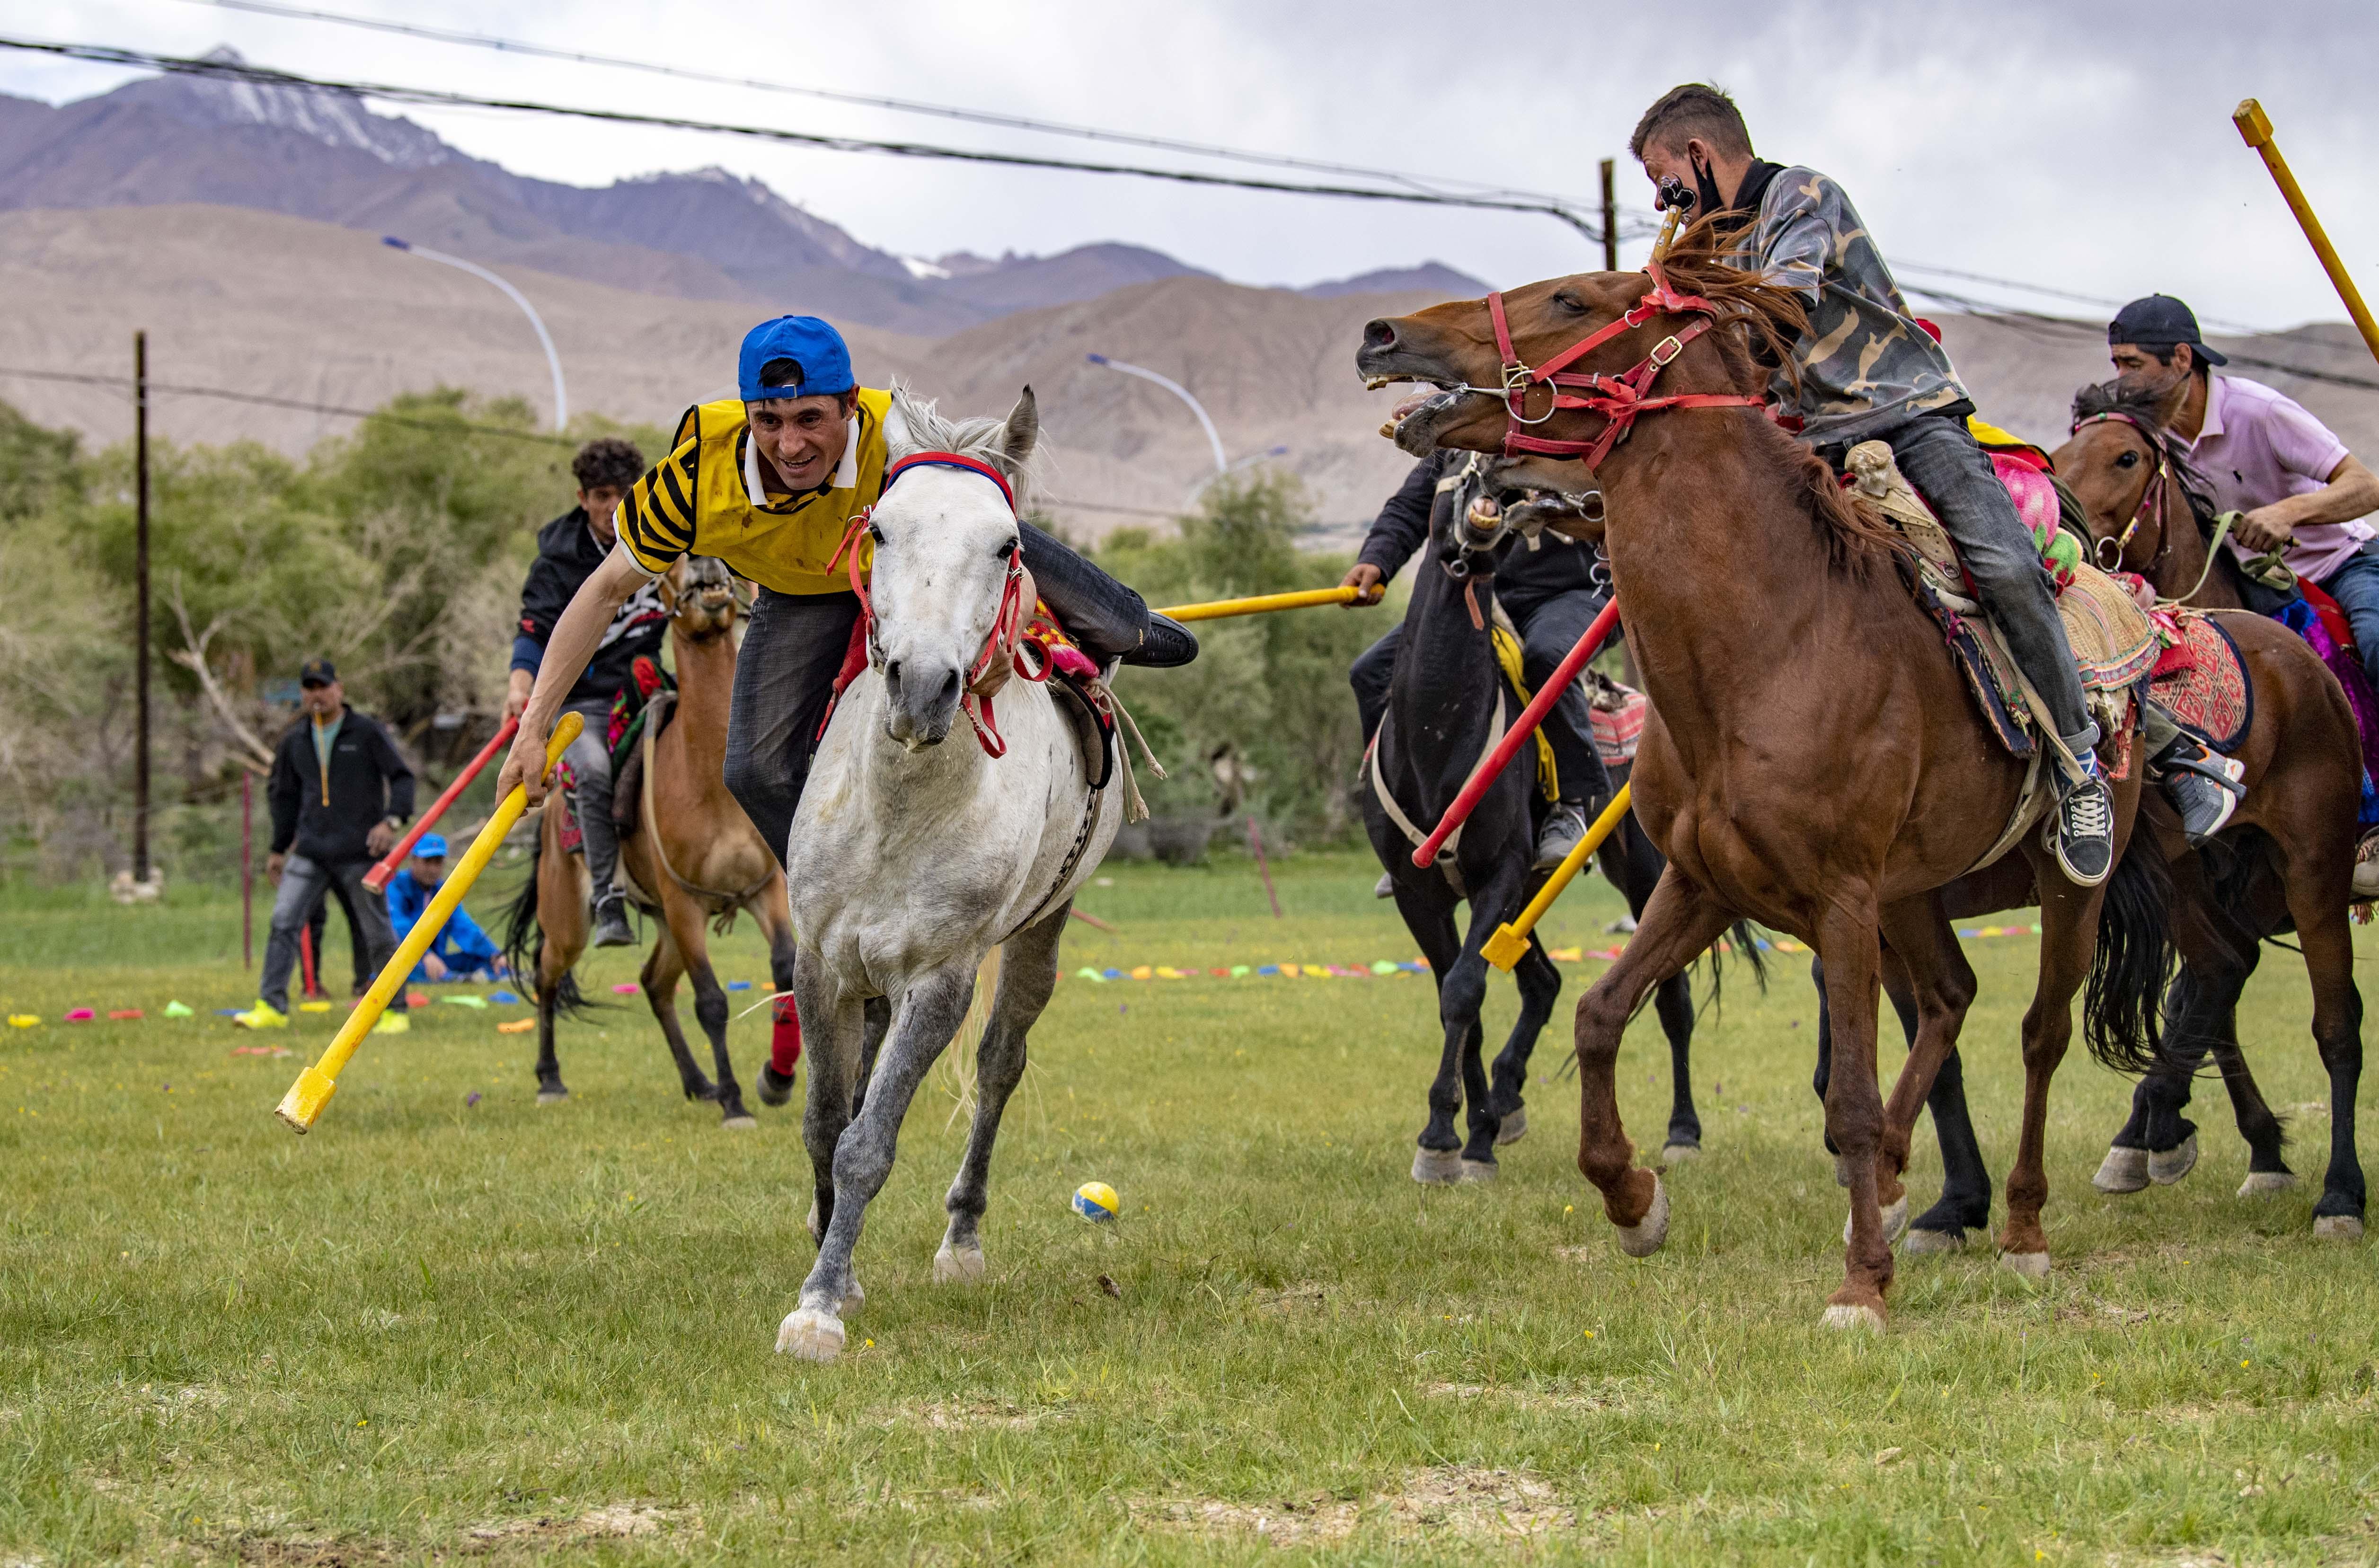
pixel 693 859
pixel 1812 759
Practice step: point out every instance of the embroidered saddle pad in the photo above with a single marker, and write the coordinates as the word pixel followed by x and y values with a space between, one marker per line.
pixel 1618 714
pixel 2202 682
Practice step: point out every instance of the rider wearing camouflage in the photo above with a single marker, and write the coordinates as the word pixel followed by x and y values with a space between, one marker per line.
pixel 1867 371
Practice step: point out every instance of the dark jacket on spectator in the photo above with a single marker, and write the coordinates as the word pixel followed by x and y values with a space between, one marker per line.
pixel 566 556
pixel 325 810
pixel 1529 578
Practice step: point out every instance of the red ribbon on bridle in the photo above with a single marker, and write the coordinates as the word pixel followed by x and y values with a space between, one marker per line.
pixel 1621 398
pixel 1006 622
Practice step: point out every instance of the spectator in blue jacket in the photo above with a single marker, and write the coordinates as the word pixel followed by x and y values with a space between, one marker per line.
pixel 462 951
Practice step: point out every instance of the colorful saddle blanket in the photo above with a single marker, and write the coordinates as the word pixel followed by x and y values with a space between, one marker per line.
pixel 2201 679
pixel 1618 714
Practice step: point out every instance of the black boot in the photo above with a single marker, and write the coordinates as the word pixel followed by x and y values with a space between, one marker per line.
pixel 1168 644
pixel 612 921
pixel 2204 787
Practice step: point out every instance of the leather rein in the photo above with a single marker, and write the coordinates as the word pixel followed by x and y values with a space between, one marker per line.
pixel 1006 640
pixel 1621 398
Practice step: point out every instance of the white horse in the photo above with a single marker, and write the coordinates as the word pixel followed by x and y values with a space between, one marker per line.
pixel 915 853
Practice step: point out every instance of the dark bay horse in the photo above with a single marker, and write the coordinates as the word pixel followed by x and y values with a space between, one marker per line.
pixel 693 859
pixel 1811 760
pixel 2289 847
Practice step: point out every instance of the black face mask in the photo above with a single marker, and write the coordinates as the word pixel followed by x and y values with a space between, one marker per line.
pixel 1706 191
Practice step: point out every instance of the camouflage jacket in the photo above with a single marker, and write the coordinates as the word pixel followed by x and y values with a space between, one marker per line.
pixel 1867 367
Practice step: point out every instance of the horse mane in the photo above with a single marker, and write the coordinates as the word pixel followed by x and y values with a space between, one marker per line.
pixel 1759 324
pixel 982 437
pixel 2144 407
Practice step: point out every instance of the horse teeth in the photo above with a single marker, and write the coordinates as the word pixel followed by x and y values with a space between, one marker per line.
pixel 1374 383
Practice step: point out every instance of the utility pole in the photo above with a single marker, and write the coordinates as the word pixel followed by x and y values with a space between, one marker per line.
pixel 1610 215
pixel 141 591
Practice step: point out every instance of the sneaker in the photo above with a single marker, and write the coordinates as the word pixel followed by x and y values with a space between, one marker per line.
pixel 2083 833
pixel 261 1015
pixel 2366 880
pixel 393 1023
pixel 611 923
pixel 1386 887
pixel 2203 786
pixel 1559 835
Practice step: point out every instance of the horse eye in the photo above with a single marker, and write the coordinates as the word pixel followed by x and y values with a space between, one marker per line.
pixel 2129 459
pixel 875 532
pixel 1570 303
pixel 1006 549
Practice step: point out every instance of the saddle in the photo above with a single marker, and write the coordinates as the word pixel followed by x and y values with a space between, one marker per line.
pixel 1617 712
pixel 628 758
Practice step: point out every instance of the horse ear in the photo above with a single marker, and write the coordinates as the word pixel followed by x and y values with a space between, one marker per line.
pixel 1023 430
pixel 897 438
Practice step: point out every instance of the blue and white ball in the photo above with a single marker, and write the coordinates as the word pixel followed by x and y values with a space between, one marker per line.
pixel 1096 1200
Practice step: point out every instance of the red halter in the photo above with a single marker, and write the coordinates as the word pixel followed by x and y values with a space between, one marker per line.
pixel 2151 497
pixel 1619 398
pixel 1006 622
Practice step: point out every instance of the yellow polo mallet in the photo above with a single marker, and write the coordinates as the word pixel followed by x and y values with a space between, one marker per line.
pixel 315 1086
pixel 1511 940
pixel 1216 609
pixel 2256 127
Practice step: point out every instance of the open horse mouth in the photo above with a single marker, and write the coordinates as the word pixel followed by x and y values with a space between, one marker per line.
pixel 1386 359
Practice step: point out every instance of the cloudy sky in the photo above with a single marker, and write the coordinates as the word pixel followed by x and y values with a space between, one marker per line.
pixel 2086 147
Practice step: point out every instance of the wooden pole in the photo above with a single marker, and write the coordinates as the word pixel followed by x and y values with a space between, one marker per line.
pixel 2257 128
pixel 140 609
pixel 1216 609
pixel 1255 842
pixel 1610 215
pixel 246 871
pixel 1511 939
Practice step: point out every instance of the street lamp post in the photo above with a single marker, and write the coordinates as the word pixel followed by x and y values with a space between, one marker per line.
pixel 1222 463
pixel 1250 460
pixel 554 360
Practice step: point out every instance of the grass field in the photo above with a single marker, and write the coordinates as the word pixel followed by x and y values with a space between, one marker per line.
pixel 454 1325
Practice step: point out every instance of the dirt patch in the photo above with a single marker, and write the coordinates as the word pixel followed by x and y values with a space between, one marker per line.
pixel 978 1415
pixel 1462 1499
pixel 1531 1396
pixel 1319 1522
pixel 1308 1296
pixel 612 1521
pixel 1581 1254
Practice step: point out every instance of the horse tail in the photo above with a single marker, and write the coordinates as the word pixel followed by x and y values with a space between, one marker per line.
pixel 524 939
pixel 2121 1005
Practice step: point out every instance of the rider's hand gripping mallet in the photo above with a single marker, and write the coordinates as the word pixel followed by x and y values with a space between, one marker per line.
pixel 1216 609
pixel 315 1086
pixel 377 878
pixel 1511 939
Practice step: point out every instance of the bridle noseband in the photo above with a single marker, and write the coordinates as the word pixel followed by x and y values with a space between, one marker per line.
pixel 2150 499
pixel 1621 398
pixel 1006 622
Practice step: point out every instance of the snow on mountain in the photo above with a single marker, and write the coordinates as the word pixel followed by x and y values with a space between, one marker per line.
pixel 336 119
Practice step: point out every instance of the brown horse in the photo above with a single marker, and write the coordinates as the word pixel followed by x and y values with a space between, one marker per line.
pixel 694 858
pixel 1811 761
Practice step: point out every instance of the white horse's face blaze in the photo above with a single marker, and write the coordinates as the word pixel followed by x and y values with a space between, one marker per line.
pixel 944 540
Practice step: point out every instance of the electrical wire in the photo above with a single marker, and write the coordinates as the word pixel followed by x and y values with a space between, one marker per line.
pixel 241 71
pixel 445 427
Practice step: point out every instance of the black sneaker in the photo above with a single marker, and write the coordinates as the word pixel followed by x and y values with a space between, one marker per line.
pixel 1559 835
pixel 611 923
pixel 1168 646
pixel 2204 787
pixel 2083 833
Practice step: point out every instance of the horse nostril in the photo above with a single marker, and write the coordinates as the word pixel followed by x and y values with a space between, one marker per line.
pixel 892 674
pixel 1380 334
pixel 949 691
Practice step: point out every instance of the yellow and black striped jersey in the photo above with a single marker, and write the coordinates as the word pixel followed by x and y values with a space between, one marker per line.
pixel 704 498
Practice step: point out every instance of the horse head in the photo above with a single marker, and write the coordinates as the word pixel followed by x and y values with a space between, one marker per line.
pixel 946 558
pixel 2124 465
pixel 699 593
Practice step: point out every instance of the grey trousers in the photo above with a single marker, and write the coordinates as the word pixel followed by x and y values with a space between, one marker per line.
pixel 304 885
pixel 590 765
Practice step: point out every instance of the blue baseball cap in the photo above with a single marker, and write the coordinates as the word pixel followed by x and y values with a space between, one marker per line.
pixel 821 359
pixel 430 847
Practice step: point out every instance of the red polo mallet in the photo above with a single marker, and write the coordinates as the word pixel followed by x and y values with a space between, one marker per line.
pixel 377 878
pixel 1517 736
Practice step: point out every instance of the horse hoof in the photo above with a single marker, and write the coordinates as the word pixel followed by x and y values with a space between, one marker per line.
pixel 775 1088
pixel 2336 1227
pixel 957 1265
pixel 2262 1183
pixel 2171 1166
pixel 811 1334
pixel 1866 1318
pixel 2030 1265
pixel 1477 1170
pixel 1895 1223
pixel 739 1121
pixel 2123 1170
pixel 1437 1167
pixel 1678 1154
pixel 1644 1237
pixel 1513 1129
pixel 552 1094
pixel 1935 1241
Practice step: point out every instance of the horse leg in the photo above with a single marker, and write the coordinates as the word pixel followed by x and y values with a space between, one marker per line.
pixel 662 967
pixel 1851 945
pixel 1540 984
pixel 2318 905
pixel 930 1013
pixel 1925 971
pixel 1966 1202
pixel 876 1024
pixel 1460 1000
pixel 1678 922
pixel 1429 915
pixel 2069 935
pixel 1673 1001
pixel 561 923
pixel 684 919
pixel 832 1023
pixel 1028 974
pixel 768 909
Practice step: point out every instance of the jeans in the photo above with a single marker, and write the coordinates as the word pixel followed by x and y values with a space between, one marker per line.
pixel 794 645
pixel 590 768
pixel 2355 586
pixel 1941 459
pixel 1548 629
pixel 304 885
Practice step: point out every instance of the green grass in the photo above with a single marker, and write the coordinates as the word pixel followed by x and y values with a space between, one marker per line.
pixel 439 1329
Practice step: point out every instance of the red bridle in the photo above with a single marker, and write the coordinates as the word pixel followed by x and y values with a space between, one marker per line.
pixel 1620 398
pixel 1006 622
pixel 2151 498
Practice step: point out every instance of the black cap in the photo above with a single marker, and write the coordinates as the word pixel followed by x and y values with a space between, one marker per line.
pixel 317 672
pixel 2159 321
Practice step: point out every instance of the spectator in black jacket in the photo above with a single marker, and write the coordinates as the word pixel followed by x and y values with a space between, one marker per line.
pixel 1552 597
pixel 569 548
pixel 340 794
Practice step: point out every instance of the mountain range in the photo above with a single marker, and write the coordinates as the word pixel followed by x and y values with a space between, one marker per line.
pixel 706 234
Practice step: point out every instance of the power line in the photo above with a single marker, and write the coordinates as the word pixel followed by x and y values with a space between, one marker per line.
pixel 241 71
pixel 1425 182
pixel 224 394
pixel 2070 328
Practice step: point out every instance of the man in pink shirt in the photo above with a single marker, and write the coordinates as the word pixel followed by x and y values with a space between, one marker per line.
pixel 2298 489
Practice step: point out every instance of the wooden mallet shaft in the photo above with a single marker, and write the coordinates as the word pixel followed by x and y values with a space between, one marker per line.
pixel 1216 609
pixel 2256 127
pixel 1511 939
pixel 315 1086
pixel 377 878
